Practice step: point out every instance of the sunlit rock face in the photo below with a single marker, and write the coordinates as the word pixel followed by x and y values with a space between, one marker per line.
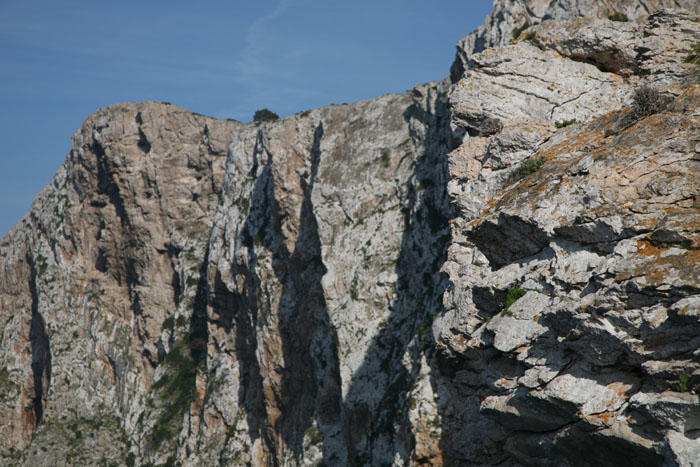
pixel 497 269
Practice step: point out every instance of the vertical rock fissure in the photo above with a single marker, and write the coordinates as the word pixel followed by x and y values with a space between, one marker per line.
pixel 199 329
pixel 372 428
pixel 311 379
pixel 41 353
pixel 240 310
pixel 294 380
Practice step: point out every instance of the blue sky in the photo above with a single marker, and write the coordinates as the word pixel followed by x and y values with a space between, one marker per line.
pixel 61 61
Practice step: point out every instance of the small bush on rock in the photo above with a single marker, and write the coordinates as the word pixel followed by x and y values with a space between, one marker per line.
pixel 694 59
pixel 682 383
pixel 647 101
pixel 528 167
pixel 517 31
pixel 694 55
pixel 565 123
pixel 530 36
pixel 619 16
pixel 513 295
pixel 265 115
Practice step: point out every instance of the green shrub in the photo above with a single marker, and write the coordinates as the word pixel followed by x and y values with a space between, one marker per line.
pixel 176 389
pixel 386 157
pixel 6 384
pixel 507 312
pixel 168 324
pixel 517 31
pixel 619 16
pixel 265 115
pixel 694 59
pixel 682 383
pixel 511 297
pixel 565 123
pixel 694 56
pixel 43 265
pixel 528 167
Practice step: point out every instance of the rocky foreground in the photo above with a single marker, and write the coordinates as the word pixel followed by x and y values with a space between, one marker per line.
pixel 502 268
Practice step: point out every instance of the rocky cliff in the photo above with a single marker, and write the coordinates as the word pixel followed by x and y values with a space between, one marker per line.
pixel 497 269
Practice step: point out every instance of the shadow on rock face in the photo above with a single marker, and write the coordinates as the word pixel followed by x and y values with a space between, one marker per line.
pixel 380 432
pixel 300 357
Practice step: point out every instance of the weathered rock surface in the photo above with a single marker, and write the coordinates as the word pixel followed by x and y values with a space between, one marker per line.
pixel 592 349
pixel 90 275
pixel 603 238
pixel 510 19
pixel 331 287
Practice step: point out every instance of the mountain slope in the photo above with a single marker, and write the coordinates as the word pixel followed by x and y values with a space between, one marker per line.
pixel 333 286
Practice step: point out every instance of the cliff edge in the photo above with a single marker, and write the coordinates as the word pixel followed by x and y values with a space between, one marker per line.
pixel 501 268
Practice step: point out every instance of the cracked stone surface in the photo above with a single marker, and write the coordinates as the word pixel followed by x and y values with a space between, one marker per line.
pixel 330 288
pixel 600 352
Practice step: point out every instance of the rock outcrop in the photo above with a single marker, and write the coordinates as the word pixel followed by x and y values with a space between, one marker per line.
pixel 510 20
pixel 497 269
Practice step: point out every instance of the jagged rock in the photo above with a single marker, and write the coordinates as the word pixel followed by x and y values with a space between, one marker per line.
pixel 332 287
pixel 88 275
pixel 522 81
pixel 601 252
pixel 510 19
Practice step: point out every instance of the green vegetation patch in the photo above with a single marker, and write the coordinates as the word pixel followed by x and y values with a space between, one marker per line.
pixel 43 265
pixel 265 115
pixel 192 281
pixel 386 158
pixel 168 324
pixel 619 16
pixel 176 390
pixel 314 435
pixel 7 386
pixel 513 295
pixel 565 123
pixel 96 440
pixel 528 167
pixel 517 31
pixel 682 383
pixel 693 58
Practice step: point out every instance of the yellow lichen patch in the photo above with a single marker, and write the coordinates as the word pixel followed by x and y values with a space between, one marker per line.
pixel 620 389
pixel 664 266
pixel 645 248
pixel 600 419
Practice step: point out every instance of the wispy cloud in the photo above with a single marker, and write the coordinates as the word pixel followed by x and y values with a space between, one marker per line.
pixel 252 62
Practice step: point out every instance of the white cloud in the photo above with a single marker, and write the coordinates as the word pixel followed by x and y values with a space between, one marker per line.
pixel 252 62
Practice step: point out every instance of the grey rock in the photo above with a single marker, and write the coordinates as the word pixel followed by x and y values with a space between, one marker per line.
pixel 331 287
pixel 511 19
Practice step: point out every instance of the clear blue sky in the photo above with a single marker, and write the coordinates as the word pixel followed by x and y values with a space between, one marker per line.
pixel 61 61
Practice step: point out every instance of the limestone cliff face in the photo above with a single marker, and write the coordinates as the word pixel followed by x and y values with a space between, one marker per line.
pixel 90 274
pixel 332 287
pixel 511 18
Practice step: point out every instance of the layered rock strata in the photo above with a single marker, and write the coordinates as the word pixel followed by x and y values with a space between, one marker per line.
pixel 497 270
